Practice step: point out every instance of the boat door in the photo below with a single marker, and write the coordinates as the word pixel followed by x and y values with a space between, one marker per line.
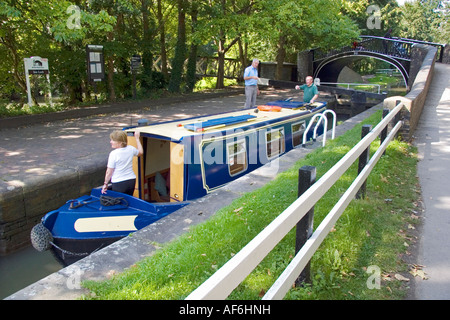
pixel 160 170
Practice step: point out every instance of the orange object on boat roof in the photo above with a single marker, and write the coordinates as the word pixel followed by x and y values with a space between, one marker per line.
pixel 269 108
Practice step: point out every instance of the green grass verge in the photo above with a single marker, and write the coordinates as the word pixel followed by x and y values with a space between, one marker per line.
pixel 371 232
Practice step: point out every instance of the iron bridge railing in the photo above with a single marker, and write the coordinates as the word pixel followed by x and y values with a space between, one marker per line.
pixel 398 48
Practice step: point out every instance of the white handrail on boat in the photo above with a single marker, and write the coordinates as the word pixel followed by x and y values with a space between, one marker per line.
pixel 325 125
pixel 309 126
pixel 324 118
pixel 334 122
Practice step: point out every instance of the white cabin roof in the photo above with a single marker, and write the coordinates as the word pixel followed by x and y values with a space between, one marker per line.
pixel 175 130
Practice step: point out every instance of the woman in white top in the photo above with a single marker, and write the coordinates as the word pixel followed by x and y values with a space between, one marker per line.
pixel 120 163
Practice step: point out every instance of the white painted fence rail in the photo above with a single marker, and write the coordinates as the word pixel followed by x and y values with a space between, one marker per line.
pixel 227 278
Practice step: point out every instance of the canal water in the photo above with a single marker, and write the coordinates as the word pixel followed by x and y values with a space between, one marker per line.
pixel 22 268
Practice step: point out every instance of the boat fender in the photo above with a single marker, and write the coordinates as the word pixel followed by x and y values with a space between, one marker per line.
pixel 41 237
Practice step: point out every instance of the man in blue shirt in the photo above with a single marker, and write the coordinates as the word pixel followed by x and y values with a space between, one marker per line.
pixel 251 84
pixel 310 91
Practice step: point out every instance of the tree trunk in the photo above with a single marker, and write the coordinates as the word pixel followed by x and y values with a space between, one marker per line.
pixel 110 58
pixel 221 62
pixel 110 68
pixel 281 55
pixel 147 56
pixel 162 40
pixel 180 50
pixel 221 52
pixel 242 57
pixel 192 61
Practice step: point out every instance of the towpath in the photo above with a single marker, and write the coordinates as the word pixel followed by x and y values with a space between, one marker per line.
pixel 433 142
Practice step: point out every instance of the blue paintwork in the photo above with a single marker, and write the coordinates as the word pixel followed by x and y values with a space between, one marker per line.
pixel 219 121
pixel 61 222
pixel 286 104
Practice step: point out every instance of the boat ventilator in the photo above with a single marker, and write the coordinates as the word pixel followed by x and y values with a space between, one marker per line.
pixel 321 116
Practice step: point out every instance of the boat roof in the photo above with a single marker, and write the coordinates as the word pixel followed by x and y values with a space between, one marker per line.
pixel 177 129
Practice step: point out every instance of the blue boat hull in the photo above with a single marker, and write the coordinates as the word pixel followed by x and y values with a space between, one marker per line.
pixel 84 225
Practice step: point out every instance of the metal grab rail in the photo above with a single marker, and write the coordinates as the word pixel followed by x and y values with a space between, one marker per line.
pixel 324 118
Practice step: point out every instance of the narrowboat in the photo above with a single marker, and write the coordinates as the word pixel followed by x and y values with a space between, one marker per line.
pixel 183 160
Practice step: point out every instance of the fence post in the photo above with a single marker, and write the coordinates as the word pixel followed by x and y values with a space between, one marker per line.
pixel 304 230
pixel 383 134
pixel 397 117
pixel 363 159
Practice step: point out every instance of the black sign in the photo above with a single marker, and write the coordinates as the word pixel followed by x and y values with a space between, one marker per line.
pixel 38 71
pixel 95 62
pixel 135 62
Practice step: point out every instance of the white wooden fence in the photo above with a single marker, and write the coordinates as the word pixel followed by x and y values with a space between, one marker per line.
pixel 227 278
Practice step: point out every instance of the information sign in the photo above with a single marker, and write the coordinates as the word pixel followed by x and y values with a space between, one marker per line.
pixel 95 62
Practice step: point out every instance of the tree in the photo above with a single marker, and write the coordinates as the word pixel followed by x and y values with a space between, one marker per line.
pixel 147 55
pixel 300 25
pixel 180 49
pixel 224 23
pixel 425 20
pixel 192 60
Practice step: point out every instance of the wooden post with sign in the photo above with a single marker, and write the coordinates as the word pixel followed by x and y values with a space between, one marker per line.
pixel 36 65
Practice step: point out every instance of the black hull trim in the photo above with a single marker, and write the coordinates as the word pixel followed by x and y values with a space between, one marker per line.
pixel 68 251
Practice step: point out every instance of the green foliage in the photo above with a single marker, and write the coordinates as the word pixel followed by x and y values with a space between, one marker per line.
pixel 17 109
pixel 305 24
pixel 268 29
pixel 425 20
pixel 209 83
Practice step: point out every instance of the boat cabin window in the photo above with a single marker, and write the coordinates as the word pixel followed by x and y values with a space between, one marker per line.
pixel 297 133
pixel 275 142
pixel 237 157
